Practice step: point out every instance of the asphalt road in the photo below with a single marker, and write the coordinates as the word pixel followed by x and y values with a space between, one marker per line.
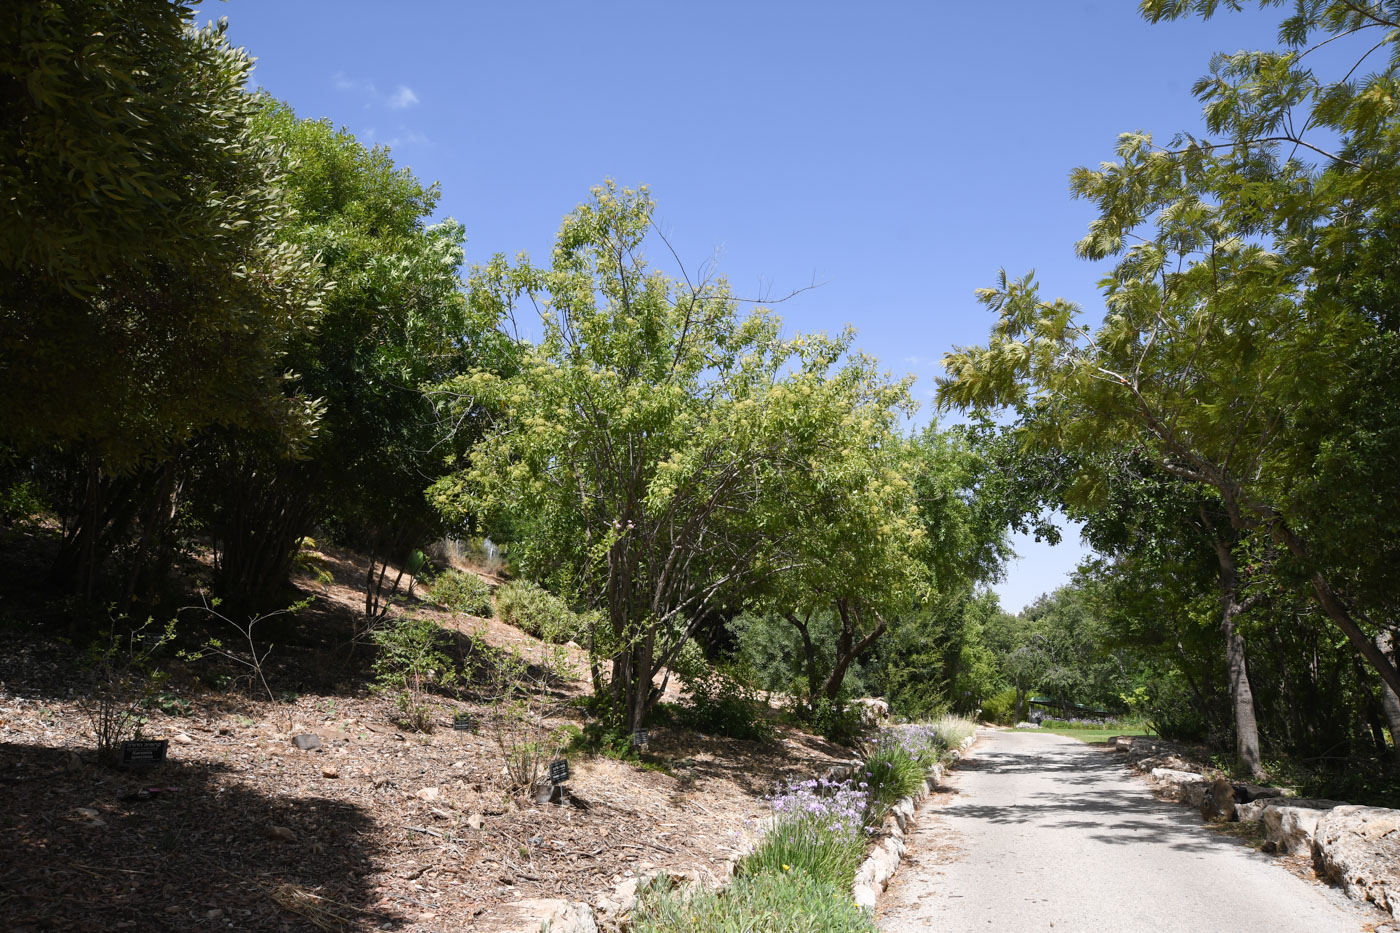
pixel 1046 833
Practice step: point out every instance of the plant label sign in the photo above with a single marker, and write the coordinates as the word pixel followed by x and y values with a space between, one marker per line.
pixel 145 753
pixel 462 722
pixel 559 771
pixel 640 737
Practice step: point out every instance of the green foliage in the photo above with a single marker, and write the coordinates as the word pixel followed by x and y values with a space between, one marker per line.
pixel 723 701
pixel 726 424
pixel 825 851
pixel 461 592
pixel 20 502
pixel 533 609
pixel 1001 708
pixel 140 235
pixel 836 720
pixel 890 772
pixel 771 902
pixel 413 660
pixel 123 679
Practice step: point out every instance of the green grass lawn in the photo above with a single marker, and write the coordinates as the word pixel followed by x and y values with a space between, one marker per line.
pixel 1092 735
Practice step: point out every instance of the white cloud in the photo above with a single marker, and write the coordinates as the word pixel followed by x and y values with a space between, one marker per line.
pixel 403 97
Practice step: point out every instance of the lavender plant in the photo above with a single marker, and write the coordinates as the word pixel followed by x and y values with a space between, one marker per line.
pixel 818 827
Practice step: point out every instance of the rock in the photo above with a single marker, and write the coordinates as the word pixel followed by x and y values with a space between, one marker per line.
pixel 1173 776
pixel 1218 805
pixel 307 742
pixel 903 813
pixel 1291 826
pixel 1027 725
pixel 1193 794
pixel 1121 743
pixel 74 762
pixel 545 792
pixel 89 817
pixel 215 914
pixel 476 821
pixel 181 738
pixel 1248 793
pixel 1359 849
pixel 329 771
pixel 554 915
pixel 428 794
pixel 865 895
pixel 279 834
pixel 872 710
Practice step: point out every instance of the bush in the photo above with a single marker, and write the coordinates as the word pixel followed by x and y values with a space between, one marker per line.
pixel 412 659
pixel 723 701
pixel 952 730
pixel 789 901
pixel 19 503
pixel 1000 709
pixel 836 720
pixel 890 772
pixel 462 592
pixel 818 828
pixel 538 612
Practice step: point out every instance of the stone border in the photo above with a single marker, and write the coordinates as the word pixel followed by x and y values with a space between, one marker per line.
pixel 872 877
pixel 880 865
pixel 1355 848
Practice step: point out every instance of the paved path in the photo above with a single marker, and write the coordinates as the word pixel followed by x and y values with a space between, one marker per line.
pixel 1047 833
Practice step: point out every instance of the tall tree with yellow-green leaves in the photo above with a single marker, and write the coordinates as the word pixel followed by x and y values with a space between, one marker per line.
pixel 660 451
pixel 1250 333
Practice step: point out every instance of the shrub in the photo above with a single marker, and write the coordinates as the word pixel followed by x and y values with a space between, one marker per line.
pixel 789 901
pixel 122 679
pixel 723 701
pixel 818 828
pixel 836 720
pixel 536 611
pixel 462 592
pixel 1000 709
pixel 952 730
pixel 890 772
pixel 19 503
pixel 412 658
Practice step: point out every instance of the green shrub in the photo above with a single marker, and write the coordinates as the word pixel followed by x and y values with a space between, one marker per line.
pixel 827 851
pixel 768 902
pixel 20 502
pixel 462 592
pixel 723 701
pixel 836 720
pixel 538 612
pixel 1000 709
pixel 890 772
pixel 412 660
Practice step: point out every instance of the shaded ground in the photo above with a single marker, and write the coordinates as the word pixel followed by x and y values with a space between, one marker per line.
pixel 393 830
pixel 1042 831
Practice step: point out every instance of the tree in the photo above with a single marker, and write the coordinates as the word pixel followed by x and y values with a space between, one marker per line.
pixel 394 325
pixel 144 292
pixel 653 439
pixel 1228 348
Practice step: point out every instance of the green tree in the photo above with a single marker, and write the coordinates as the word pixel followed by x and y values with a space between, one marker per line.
pixel 1228 349
pixel 395 324
pixel 145 294
pixel 653 441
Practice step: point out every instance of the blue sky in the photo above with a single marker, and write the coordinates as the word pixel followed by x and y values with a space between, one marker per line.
pixel 898 154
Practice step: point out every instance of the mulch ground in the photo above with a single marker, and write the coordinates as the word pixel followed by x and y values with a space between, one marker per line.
pixel 379 828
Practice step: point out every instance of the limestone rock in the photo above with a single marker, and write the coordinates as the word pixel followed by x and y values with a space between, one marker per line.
pixel 1359 849
pixel 428 794
pixel 1291 826
pixel 307 742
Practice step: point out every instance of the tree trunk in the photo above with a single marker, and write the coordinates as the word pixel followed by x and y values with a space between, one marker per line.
pixel 1389 702
pixel 847 648
pixel 809 654
pixel 1241 696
